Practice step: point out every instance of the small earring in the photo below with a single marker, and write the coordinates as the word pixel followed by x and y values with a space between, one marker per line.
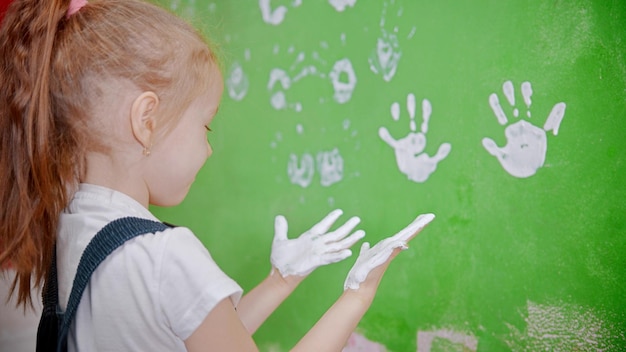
pixel 146 151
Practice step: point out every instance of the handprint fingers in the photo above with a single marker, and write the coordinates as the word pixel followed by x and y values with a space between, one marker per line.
pixel 347 242
pixel 342 231
pixel 383 133
pixel 323 226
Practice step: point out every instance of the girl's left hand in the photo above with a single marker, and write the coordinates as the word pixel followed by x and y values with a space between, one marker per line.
pixel 314 248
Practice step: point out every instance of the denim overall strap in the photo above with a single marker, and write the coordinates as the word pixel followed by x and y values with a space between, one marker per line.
pixel 107 240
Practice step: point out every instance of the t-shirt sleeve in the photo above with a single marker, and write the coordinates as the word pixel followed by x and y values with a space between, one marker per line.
pixel 191 283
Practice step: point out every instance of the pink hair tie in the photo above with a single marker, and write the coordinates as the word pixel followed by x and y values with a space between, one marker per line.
pixel 75 5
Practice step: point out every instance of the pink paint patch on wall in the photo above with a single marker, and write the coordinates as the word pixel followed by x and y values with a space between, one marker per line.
pixel 358 343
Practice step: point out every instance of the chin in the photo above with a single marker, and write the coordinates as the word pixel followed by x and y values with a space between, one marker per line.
pixel 170 200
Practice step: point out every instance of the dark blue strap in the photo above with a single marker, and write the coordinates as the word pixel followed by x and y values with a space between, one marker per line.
pixel 107 240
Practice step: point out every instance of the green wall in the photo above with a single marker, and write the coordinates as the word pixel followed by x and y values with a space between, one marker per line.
pixel 527 254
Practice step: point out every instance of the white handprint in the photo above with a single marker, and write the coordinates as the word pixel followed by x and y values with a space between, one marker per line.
pixel 370 258
pixel 525 151
pixel 237 82
pixel 411 160
pixel 385 58
pixel 314 248
pixel 277 15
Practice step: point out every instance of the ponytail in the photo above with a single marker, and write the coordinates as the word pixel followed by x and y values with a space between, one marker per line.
pixel 37 147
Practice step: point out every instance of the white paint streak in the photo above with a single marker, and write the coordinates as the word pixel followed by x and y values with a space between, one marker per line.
pixel 494 102
pixel 330 167
pixel 554 119
pixel 299 128
pixel 395 111
pixel 410 107
pixel 509 92
pixel 426 340
pixel 563 327
pixel 427 110
pixel 410 158
pixel 301 173
pixel 527 92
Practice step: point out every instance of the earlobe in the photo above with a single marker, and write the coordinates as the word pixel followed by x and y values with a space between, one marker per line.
pixel 143 119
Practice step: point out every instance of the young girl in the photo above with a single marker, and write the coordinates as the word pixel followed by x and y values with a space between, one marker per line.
pixel 104 110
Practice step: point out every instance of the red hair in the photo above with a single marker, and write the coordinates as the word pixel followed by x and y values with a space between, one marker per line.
pixel 52 70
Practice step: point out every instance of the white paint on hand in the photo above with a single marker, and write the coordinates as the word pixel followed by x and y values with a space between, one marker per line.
pixel 330 167
pixel 301 173
pixel 526 147
pixel 410 158
pixel 564 327
pixel 340 5
pixel 426 340
pixel 371 258
pixel 314 248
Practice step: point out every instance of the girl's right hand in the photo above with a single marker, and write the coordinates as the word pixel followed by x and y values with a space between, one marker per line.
pixel 372 262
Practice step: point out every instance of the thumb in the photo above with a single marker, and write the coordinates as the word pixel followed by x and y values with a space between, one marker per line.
pixel 364 248
pixel 280 228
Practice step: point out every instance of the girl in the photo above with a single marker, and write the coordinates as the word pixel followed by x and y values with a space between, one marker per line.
pixel 104 110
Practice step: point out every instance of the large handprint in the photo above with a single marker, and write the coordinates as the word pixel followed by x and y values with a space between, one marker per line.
pixel 526 147
pixel 314 248
pixel 370 258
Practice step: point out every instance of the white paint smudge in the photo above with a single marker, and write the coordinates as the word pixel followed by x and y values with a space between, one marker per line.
pixel 386 56
pixel 395 111
pixel 237 83
pixel 343 89
pixel 277 15
pixel 299 128
pixel 330 167
pixel 428 341
pixel 359 343
pixel 526 147
pixel 341 76
pixel 301 173
pixel 563 327
pixel 345 124
pixel 409 151
pixel 340 5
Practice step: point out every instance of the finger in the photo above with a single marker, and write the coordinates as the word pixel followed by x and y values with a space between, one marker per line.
pixel 323 226
pixel 342 231
pixel 280 228
pixel 334 257
pixel 347 242
pixel 414 227
pixel 364 248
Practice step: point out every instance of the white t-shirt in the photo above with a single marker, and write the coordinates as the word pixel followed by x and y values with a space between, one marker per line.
pixel 149 295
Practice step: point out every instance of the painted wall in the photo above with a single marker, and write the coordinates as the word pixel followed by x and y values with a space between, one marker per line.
pixel 504 118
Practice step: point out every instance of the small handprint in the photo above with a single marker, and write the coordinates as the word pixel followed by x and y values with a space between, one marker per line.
pixel 370 258
pixel 525 151
pixel 411 160
pixel 314 248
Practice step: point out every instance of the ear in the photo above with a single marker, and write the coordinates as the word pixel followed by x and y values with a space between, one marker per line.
pixel 143 118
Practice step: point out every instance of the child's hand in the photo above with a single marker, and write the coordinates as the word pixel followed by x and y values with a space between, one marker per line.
pixel 371 258
pixel 313 248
